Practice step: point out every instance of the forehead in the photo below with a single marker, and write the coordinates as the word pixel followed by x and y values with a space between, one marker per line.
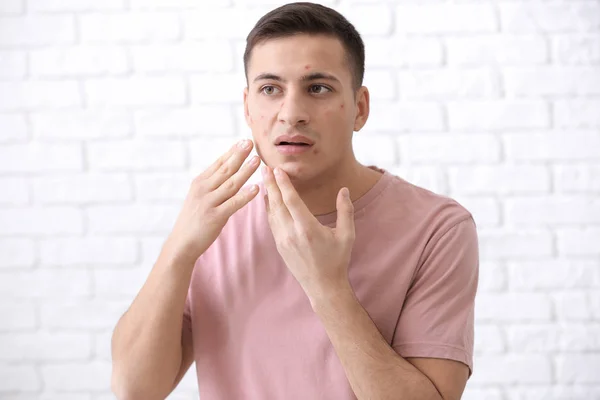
pixel 294 56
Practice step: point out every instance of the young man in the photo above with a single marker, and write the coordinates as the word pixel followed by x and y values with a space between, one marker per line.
pixel 305 293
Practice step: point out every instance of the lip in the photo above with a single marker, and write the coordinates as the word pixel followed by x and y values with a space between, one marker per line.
pixel 292 149
pixel 293 138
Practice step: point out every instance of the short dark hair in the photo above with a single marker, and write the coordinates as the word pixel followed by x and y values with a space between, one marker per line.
pixel 312 19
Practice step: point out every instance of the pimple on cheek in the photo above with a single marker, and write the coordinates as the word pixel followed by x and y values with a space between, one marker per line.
pixel 307 66
pixel 342 106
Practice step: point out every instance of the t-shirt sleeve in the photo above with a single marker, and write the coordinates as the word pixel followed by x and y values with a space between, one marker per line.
pixel 437 317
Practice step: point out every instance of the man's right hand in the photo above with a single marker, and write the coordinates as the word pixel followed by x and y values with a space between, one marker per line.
pixel 214 196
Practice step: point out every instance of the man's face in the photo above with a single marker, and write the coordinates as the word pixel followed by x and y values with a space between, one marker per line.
pixel 302 85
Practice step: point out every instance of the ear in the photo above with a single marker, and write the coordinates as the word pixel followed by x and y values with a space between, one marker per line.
pixel 362 108
pixel 246 112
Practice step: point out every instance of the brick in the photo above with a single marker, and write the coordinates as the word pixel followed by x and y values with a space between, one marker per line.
pixel 553 274
pixel 445 18
pixel 445 148
pixel 74 5
pixel 150 248
pixel 429 177
pixel 594 304
pixel 132 219
pixel 209 120
pixel 178 4
pixel 14 64
pixel 39 94
pixel 81 376
pixel 485 210
pixel 472 393
pixel 45 346
pixel 554 80
pixel 496 50
pixel 553 392
pixel 577 113
pixel 83 189
pixel 497 115
pixel 397 52
pixel 184 57
pixel 21 378
pixel 17 253
pixel 138 91
pixel 15 191
pixel 37 30
pixel 577 368
pixel 217 88
pixel 382 84
pixel 136 155
pixel 375 149
pixel 204 152
pixel 516 307
pixel 75 314
pixel 134 27
pixel 489 339
pixel 576 49
pixel 546 338
pixel 492 277
pixel 579 241
pixel 552 146
pixel 577 178
pixel 162 186
pixel 102 346
pixel 41 221
pixel 89 252
pixel 405 117
pixel 226 23
pixel 558 210
pixel 16 316
pixel 572 306
pixel 549 17
pixel 513 369
pixel 506 244
pixel 46 284
pixel 13 128
pixel 78 61
pixel 41 158
pixel 369 19
pixel 81 124
pixel 11 7
pixel 448 84
pixel 502 179
pixel 119 283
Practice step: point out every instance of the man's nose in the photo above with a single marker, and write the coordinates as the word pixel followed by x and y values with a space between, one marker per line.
pixel 293 110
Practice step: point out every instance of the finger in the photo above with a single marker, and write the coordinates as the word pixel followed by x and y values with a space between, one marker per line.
pixel 291 198
pixel 228 164
pixel 232 185
pixel 344 228
pixel 239 200
pixel 277 207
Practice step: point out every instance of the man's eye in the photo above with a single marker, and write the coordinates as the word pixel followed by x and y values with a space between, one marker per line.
pixel 317 87
pixel 268 90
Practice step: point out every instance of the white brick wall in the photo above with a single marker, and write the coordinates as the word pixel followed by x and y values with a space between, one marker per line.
pixel 108 109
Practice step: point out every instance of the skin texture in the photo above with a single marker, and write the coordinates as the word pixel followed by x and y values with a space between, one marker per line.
pixel 301 186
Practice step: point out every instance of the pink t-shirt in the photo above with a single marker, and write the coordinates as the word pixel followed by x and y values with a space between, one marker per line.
pixel 414 268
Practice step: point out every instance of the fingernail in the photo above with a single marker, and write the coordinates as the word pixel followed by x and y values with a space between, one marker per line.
pixel 346 193
pixel 244 144
pixel 277 171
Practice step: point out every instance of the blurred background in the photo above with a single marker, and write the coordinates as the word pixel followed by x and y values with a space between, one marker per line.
pixel 109 108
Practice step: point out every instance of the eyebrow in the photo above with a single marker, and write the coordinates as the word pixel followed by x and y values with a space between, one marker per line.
pixel 309 77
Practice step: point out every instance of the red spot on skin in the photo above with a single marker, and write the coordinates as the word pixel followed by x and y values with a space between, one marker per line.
pixel 307 67
pixel 262 117
pixel 342 106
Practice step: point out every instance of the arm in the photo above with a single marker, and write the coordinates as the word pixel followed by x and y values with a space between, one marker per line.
pixel 373 368
pixel 151 330
pixel 151 349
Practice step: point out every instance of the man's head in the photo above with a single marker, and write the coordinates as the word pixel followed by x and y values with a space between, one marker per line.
pixel 304 67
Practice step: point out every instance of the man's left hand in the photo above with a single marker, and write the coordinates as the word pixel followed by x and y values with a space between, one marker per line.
pixel 317 256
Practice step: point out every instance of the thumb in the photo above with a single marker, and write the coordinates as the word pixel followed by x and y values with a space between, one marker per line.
pixel 345 215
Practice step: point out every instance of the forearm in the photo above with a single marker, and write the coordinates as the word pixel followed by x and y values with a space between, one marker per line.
pixel 375 371
pixel 146 343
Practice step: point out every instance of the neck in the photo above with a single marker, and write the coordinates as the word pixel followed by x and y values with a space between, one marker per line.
pixel 320 194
